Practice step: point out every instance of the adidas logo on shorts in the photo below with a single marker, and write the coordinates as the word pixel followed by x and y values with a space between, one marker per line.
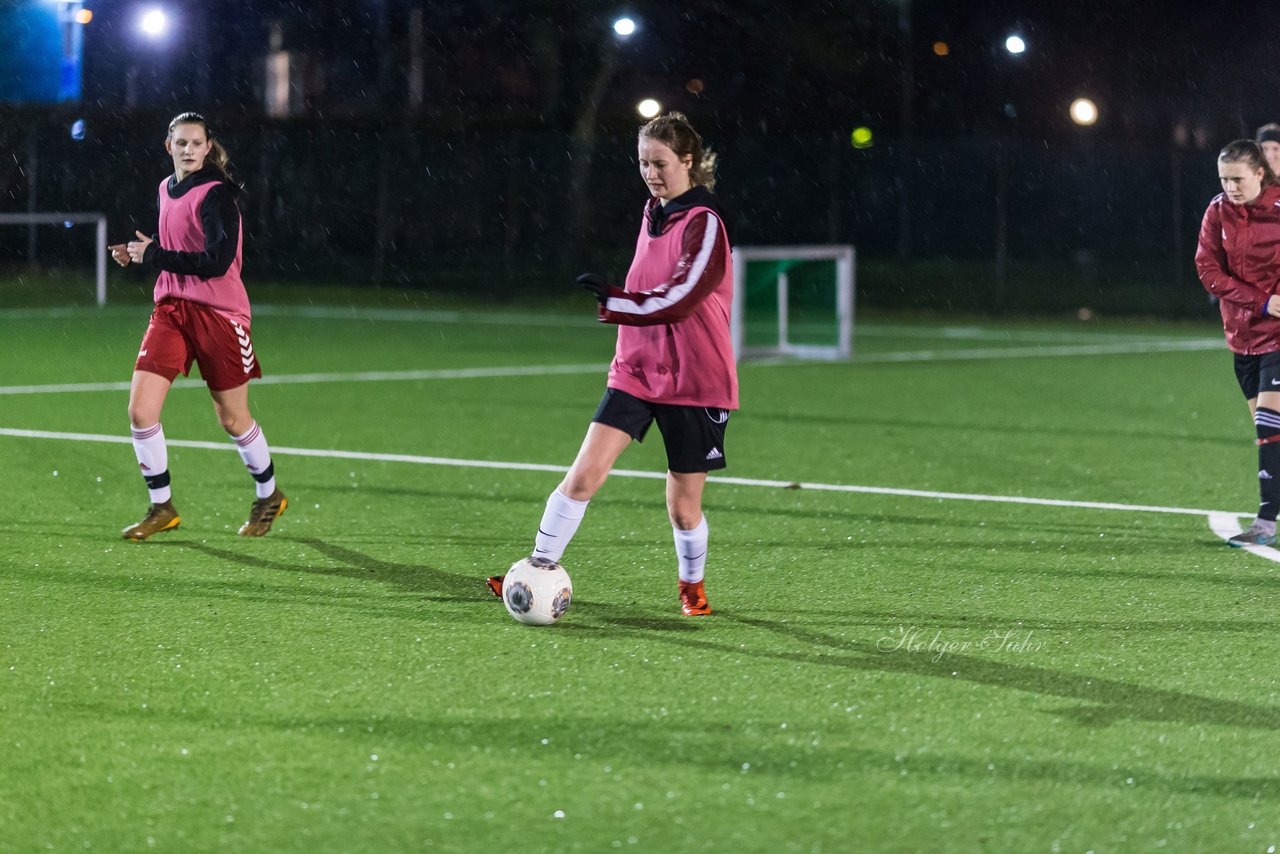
pixel 714 454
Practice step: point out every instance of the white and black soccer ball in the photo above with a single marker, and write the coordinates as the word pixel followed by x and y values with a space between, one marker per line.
pixel 537 591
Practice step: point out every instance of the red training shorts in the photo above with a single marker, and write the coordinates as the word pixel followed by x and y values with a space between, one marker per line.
pixel 182 332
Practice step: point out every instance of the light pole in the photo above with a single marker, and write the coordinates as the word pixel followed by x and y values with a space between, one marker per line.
pixel 1016 46
pixel 1084 113
pixel 906 99
pixel 582 142
pixel 154 27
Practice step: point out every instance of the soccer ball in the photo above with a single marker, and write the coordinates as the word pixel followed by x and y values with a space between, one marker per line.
pixel 537 591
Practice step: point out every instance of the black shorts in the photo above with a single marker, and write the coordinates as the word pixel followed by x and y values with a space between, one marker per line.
pixel 1258 373
pixel 693 435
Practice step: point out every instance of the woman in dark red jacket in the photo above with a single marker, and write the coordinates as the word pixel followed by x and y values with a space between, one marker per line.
pixel 1239 262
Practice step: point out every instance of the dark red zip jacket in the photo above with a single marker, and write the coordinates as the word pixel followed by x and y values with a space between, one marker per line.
pixel 1239 262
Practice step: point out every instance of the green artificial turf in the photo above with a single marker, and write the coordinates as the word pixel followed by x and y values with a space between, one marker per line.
pixel 884 672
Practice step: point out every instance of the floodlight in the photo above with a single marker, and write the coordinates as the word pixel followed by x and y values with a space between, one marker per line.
pixel 1084 112
pixel 154 22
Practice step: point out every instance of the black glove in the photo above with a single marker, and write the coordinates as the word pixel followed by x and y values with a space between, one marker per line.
pixel 596 284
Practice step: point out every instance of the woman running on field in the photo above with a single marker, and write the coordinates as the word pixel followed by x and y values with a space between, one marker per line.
pixel 1239 262
pixel 201 315
pixel 674 362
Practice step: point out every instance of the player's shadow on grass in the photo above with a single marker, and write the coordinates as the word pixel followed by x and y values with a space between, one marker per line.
pixel 659 747
pixel 1099 701
pixel 607 617
pixel 420 579
pixel 427 582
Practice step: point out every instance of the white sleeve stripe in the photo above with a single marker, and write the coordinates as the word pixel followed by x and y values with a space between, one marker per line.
pixel 679 292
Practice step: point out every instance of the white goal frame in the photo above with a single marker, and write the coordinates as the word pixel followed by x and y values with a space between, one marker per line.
pixel 845 257
pixel 55 218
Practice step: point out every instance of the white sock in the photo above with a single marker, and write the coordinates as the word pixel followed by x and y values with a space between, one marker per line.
pixel 691 550
pixel 153 460
pixel 253 449
pixel 559 523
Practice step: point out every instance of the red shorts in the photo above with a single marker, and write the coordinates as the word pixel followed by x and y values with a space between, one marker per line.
pixel 182 332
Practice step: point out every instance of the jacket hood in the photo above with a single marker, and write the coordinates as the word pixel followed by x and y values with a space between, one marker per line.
pixel 659 215
pixel 208 174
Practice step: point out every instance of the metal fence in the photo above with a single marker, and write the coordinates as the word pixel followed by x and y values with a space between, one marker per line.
pixel 979 223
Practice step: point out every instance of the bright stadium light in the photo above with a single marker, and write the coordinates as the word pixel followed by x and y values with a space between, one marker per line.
pixel 1015 45
pixel 624 27
pixel 154 22
pixel 648 108
pixel 1084 112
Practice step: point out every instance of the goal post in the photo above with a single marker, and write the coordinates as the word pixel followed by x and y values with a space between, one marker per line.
pixel 67 220
pixel 795 301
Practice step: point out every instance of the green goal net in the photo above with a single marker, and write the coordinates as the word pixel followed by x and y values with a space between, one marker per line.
pixel 793 301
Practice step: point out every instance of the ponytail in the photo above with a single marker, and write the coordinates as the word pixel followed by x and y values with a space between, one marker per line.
pixel 218 157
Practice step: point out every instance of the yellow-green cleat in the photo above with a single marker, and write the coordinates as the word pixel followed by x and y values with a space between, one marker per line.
pixel 161 517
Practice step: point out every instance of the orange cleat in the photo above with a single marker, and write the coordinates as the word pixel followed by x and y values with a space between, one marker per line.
pixel 494 583
pixel 693 599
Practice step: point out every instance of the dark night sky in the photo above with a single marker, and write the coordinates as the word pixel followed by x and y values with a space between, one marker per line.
pixel 803 65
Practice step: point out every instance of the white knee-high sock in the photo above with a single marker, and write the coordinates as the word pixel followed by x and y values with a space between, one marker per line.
pixel 153 459
pixel 256 455
pixel 691 550
pixel 559 523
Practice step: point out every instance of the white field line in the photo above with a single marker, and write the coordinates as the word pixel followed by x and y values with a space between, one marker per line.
pixel 1227 525
pixel 1119 348
pixel 419 315
pixel 415 315
pixel 313 312
pixel 1223 523
pixel 872 330
pixel 734 481
pixel 982 333
pixel 335 377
